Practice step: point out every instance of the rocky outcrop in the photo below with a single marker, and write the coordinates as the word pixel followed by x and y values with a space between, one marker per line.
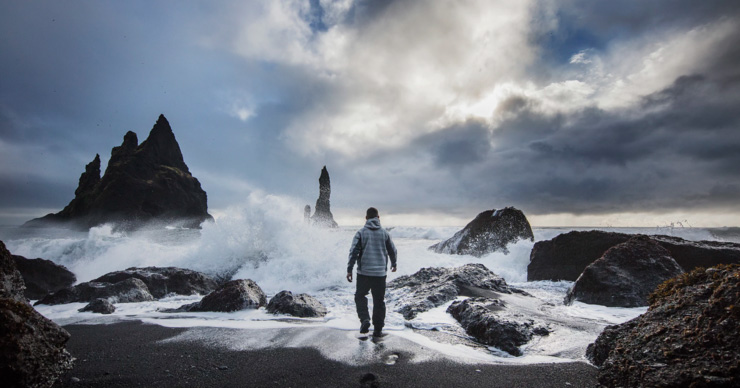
pixel 301 305
pixel 43 277
pixel 625 275
pixel 481 319
pixel 432 287
pixel 567 255
pixel 490 231
pixel 233 296
pixel 143 183
pixel 32 352
pixel 322 213
pixel 162 281
pixel 687 338
pixel 11 281
pixel 100 306
pixel 125 291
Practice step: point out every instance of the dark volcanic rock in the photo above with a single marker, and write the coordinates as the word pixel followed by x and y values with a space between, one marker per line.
pixel 43 277
pixel 162 281
pixel 143 183
pixel 567 255
pixel 625 275
pixel 125 291
pixel 11 281
pixel 32 352
pixel 233 296
pixel 432 287
pixel 301 305
pixel 490 231
pixel 322 214
pixel 687 338
pixel 100 306
pixel 479 317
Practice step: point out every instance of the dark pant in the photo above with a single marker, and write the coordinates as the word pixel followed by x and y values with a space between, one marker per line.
pixel 376 285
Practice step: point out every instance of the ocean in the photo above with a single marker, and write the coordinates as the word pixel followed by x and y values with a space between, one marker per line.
pixel 267 240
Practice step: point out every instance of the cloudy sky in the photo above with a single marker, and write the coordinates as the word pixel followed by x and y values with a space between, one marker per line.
pixel 578 112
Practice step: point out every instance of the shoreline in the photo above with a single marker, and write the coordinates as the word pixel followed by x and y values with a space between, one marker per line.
pixel 133 353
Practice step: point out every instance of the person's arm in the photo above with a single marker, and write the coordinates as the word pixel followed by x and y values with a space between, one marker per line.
pixel 354 255
pixel 392 252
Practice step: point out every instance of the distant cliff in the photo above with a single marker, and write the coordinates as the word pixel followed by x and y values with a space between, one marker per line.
pixel 143 183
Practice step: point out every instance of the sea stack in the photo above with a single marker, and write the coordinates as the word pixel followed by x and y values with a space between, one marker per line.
pixel 322 214
pixel 143 183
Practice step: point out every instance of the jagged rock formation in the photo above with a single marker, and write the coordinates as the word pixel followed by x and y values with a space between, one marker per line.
pixel 32 352
pixel 687 338
pixel 322 213
pixel 233 296
pixel 481 319
pixel 432 287
pixel 100 306
pixel 11 281
pixel 491 230
pixel 43 277
pixel 161 281
pixel 143 183
pixel 301 305
pixel 625 275
pixel 567 255
pixel 125 291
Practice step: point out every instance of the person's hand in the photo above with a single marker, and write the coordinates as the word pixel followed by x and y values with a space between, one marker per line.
pixel 349 277
pixel 393 268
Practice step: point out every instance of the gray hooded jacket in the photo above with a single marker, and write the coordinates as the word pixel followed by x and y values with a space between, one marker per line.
pixel 371 248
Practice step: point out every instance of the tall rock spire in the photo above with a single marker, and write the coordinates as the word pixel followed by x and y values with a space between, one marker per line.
pixel 322 215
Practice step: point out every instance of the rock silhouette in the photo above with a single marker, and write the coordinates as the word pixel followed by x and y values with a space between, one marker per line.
pixel 43 277
pixel 143 183
pixel 567 255
pixel 322 213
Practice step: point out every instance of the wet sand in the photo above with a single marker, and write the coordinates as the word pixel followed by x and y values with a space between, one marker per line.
pixel 133 354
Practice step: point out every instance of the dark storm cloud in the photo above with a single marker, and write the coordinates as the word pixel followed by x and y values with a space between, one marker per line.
pixel 683 155
pixel 458 145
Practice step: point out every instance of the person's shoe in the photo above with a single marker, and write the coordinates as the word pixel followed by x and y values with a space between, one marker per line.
pixel 377 332
pixel 365 327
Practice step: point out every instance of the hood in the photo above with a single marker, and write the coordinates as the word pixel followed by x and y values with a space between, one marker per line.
pixel 373 223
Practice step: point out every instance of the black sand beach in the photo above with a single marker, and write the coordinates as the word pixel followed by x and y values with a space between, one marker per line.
pixel 130 354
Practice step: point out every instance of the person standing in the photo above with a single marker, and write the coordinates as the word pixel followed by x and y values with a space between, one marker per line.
pixel 371 248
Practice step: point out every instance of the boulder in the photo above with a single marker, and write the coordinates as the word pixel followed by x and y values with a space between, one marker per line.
pixel 143 183
pixel 687 338
pixel 32 352
pixel 11 281
pixel 301 305
pixel 567 255
pixel 625 275
pixel 43 277
pixel 480 319
pixel 125 291
pixel 490 231
pixel 432 287
pixel 162 281
pixel 233 296
pixel 322 214
pixel 100 306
